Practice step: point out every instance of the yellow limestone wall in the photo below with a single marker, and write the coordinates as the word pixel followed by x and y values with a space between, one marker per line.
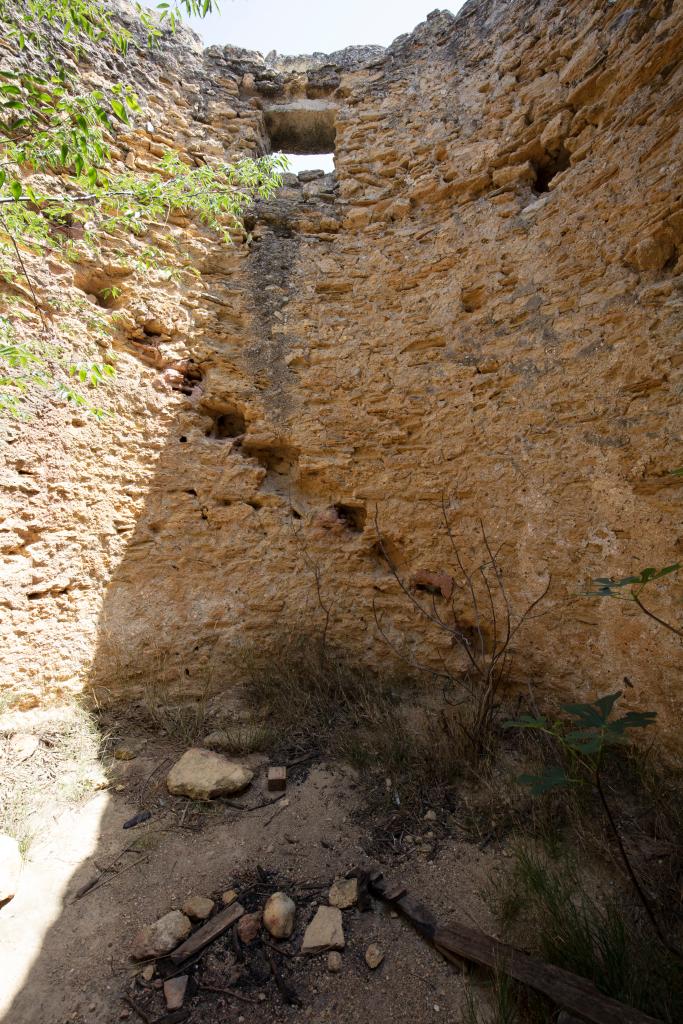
pixel 484 308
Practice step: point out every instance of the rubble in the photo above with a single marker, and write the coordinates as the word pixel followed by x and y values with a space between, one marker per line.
pixel 248 927
pixel 279 915
pixel 324 932
pixel 198 907
pixel 334 962
pixel 161 937
pixel 343 893
pixel 373 956
pixel 174 991
pixel 204 775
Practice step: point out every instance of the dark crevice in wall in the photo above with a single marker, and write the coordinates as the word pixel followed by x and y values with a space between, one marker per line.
pixel 352 516
pixel 546 171
pixel 227 424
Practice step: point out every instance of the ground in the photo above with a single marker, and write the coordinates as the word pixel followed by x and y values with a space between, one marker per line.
pixel 66 959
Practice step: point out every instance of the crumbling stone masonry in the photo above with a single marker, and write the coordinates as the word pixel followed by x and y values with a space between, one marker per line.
pixel 482 303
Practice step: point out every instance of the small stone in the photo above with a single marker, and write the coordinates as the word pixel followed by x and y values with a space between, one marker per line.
pixel 10 867
pixel 161 937
pixel 174 992
pixel 279 914
pixel 430 816
pixel 261 997
pixel 229 897
pixel 198 907
pixel 324 932
pixel 248 927
pixel 148 972
pixel 344 893
pixel 334 962
pixel 373 956
pixel 203 775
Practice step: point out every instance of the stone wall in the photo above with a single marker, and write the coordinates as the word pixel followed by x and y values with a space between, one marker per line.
pixel 481 309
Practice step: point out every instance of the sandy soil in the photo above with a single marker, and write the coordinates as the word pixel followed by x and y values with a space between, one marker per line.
pixel 66 959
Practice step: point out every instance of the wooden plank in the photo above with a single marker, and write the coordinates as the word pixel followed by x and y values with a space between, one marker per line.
pixel 207 933
pixel 567 990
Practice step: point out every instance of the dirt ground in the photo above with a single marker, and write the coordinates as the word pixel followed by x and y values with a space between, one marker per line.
pixel 66 959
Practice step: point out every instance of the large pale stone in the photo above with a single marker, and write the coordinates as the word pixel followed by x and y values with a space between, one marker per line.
pixel 161 937
pixel 325 931
pixel 10 867
pixel 204 775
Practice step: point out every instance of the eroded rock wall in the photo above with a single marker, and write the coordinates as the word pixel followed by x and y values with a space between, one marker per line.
pixel 481 308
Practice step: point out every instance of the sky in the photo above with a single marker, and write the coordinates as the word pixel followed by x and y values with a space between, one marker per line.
pixel 302 26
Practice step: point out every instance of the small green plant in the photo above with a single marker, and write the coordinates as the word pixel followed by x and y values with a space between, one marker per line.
pixel 630 588
pixel 582 741
pixel 589 732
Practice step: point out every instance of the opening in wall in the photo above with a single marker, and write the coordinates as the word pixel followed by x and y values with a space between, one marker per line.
pixel 310 162
pixel 304 130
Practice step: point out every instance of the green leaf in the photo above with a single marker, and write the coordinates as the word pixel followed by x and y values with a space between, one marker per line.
pixel 585 713
pixel 605 704
pixel 552 778
pixel 15 189
pixel 120 110
pixel 525 722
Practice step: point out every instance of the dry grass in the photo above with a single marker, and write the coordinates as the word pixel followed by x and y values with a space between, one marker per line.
pixel 589 927
pixel 322 702
pixel 67 765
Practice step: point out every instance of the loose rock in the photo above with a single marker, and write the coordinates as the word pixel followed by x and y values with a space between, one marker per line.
pixel 161 937
pixel 204 775
pixel 229 897
pixel 344 893
pixel 248 927
pixel 10 867
pixel 373 956
pixel 198 907
pixel 334 962
pixel 279 914
pixel 324 932
pixel 174 992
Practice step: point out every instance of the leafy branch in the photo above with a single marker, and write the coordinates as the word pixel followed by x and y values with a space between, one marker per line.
pixel 51 126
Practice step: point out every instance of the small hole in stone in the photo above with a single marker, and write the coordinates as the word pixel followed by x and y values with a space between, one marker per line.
pixel 192 492
pixel 295 514
pixel 183 439
pixel 227 425
pixel 353 516
pixel 549 169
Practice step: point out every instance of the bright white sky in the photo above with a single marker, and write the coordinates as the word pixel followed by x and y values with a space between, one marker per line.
pixel 304 26
pixel 307 26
